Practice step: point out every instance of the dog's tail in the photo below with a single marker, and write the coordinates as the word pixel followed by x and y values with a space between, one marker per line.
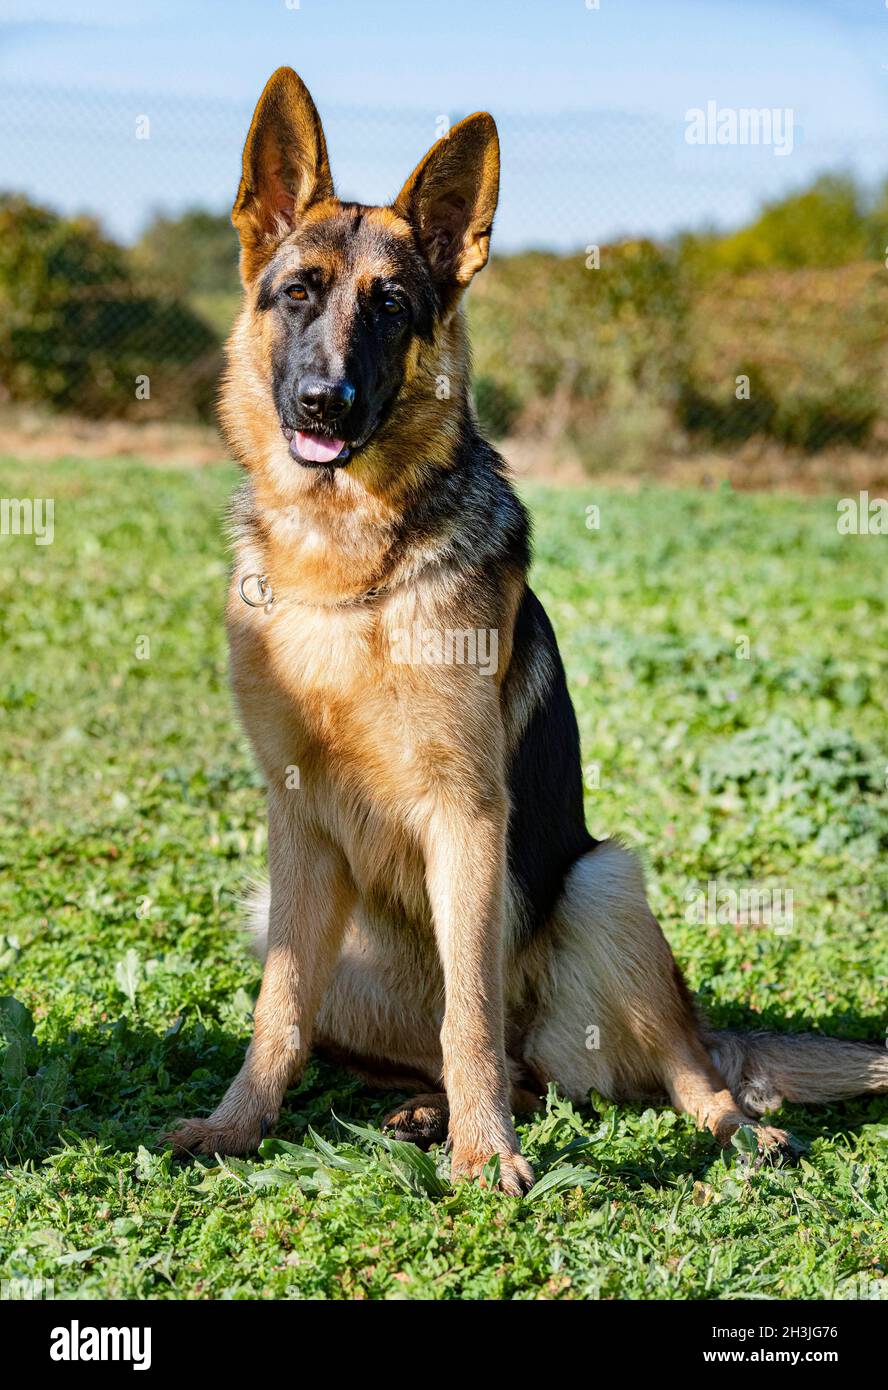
pixel 763 1069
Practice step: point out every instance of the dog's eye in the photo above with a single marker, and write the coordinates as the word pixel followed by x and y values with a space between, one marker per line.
pixel 297 292
pixel 392 306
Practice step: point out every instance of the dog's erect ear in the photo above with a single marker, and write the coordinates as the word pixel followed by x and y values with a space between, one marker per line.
pixel 450 199
pixel 285 166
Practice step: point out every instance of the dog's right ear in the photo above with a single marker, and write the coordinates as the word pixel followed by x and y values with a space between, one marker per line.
pixel 285 168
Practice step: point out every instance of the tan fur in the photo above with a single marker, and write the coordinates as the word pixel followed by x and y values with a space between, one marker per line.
pixel 393 932
pixel 390 775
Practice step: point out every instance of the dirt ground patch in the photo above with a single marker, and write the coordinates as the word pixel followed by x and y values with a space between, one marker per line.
pixel 757 467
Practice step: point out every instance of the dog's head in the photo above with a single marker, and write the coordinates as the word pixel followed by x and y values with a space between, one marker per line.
pixel 346 303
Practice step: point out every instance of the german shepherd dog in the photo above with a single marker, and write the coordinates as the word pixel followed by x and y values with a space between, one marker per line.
pixel 438 917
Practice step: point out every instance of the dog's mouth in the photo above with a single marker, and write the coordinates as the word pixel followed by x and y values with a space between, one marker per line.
pixel 316 450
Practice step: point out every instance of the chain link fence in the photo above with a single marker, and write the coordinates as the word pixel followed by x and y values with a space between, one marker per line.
pixel 638 303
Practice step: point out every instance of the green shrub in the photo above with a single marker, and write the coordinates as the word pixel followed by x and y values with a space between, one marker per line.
pixel 497 405
pixel 620 361
pixel 813 344
pixel 877 226
pixel 724 417
pixel 824 225
pixel 625 363
pixel 193 254
pixel 76 331
pixel 562 349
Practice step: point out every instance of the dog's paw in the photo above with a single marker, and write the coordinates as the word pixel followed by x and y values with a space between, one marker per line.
pixel 776 1146
pixel 210 1136
pixel 422 1120
pixel 515 1173
pixel 765 1146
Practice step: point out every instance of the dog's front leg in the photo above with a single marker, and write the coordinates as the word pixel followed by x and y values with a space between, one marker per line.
pixel 465 852
pixel 311 894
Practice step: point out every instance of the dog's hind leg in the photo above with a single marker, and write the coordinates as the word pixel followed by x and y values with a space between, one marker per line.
pixel 422 1120
pixel 614 1012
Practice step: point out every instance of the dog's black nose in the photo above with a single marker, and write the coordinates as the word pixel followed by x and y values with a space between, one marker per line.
pixel 325 401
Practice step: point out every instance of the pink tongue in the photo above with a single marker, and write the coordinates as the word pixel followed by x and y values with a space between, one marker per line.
pixel 314 449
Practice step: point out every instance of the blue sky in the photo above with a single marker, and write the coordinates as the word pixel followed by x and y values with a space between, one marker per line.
pixel 591 103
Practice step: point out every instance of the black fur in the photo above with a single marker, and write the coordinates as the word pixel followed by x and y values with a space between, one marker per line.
pixel 547 828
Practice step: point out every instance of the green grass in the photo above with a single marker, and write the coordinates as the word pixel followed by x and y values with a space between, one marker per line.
pixel 132 817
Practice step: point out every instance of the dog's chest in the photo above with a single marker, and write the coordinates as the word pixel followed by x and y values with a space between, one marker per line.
pixel 325 656
pixel 352 731
pixel 332 688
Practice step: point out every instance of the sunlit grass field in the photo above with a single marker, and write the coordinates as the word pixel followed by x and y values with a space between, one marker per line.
pixel 132 817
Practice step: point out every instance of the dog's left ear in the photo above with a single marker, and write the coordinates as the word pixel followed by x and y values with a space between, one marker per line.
pixel 450 199
pixel 285 167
